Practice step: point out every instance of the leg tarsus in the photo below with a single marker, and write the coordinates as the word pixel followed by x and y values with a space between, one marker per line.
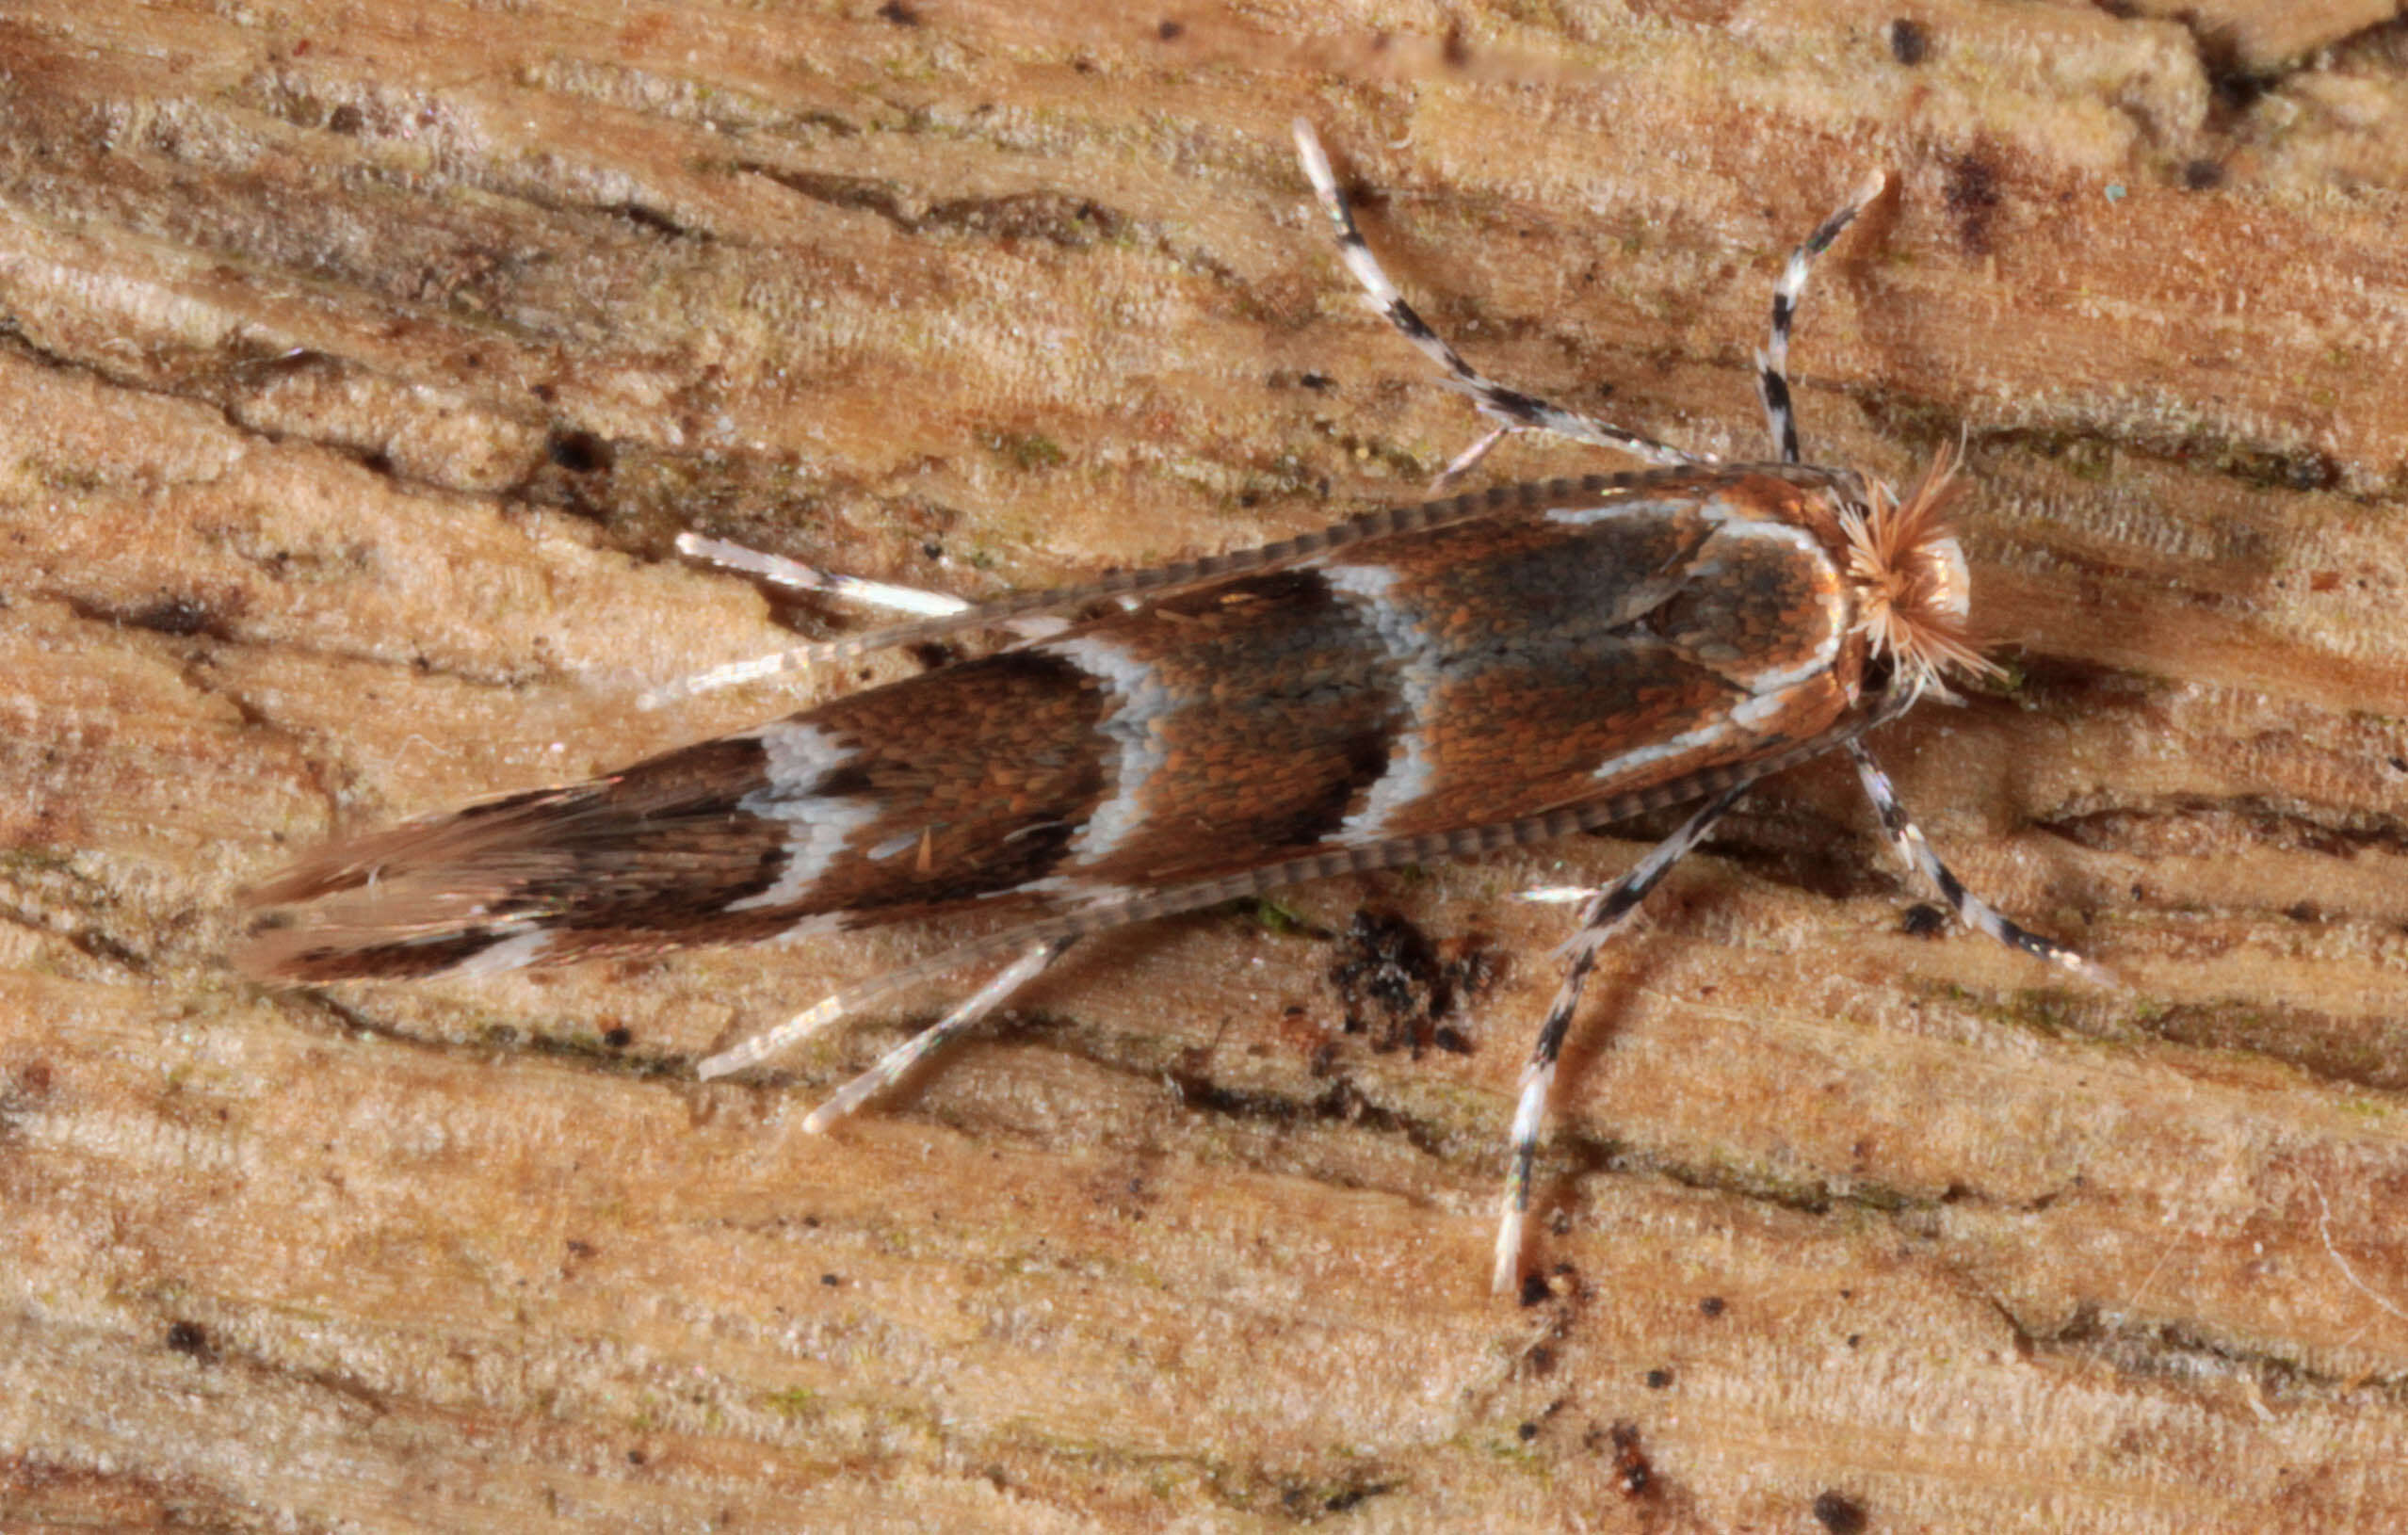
pixel 797 576
pixel 1773 364
pixel 1968 908
pixel 1511 409
pixel 1606 912
pixel 840 1005
pixel 937 610
pixel 892 1067
pixel 1463 462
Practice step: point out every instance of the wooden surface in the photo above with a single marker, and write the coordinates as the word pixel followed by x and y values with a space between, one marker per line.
pixel 358 363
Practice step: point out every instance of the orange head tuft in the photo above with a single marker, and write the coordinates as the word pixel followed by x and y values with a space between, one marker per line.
pixel 1912 588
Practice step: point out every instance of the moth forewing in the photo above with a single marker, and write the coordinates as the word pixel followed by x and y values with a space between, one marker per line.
pixel 1581 641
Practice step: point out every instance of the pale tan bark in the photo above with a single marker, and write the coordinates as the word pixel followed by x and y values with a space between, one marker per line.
pixel 2259 36
pixel 360 363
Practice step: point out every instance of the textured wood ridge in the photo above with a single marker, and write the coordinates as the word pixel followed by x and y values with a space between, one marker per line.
pixel 359 364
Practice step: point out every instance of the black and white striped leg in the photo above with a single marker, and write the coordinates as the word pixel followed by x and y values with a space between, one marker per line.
pixel 1511 410
pixel 1604 917
pixel 1970 908
pixel 1773 364
pixel 892 1066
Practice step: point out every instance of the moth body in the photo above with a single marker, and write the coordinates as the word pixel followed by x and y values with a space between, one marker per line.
pixel 1424 682
pixel 1569 644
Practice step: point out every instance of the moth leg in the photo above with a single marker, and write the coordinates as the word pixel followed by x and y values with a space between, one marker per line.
pixel 1509 408
pixel 847 1002
pixel 1773 364
pixel 1600 919
pixel 890 1067
pixel 937 616
pixel 802 578
pixel 797 576
pixel 1970 908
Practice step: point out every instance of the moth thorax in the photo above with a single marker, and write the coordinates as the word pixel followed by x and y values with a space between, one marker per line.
pixel 1912 591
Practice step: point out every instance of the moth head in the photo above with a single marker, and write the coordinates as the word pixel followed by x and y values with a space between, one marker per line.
pixel 1912 591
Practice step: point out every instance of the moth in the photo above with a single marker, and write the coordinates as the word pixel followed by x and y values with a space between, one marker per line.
pixel 1425 681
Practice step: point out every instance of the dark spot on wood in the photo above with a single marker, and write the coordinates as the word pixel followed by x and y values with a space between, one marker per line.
pixel 1633 1472
pixel 1397 986
pixel 1354 1497
pixel 2200 175
pixel 1910 42
pixel 1713 1305
pixel 900 13
pixel 2271 469
pixel 1170 31
pixel 193 1339
pixel 1971 192
pixel 179 616
pixel 618 1039
pixel 647 218
pixel 1074 223
pixel 347 119
pixel 1657 1380
pixel 1839 1513
pixel 579 452
pixel 2233 86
